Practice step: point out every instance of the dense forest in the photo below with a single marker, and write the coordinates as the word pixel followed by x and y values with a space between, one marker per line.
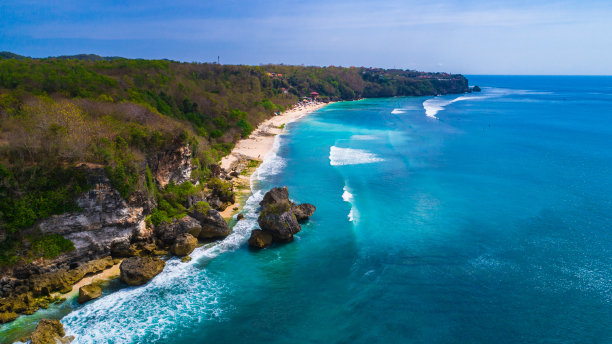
pixel 57 113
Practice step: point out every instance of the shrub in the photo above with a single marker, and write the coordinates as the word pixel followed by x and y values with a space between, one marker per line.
pixel 50 246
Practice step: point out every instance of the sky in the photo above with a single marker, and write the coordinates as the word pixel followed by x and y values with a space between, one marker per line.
pixel 468 37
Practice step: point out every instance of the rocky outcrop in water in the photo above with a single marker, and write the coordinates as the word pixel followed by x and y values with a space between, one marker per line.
pixel 476 89
pixel 303 211
pixel 50 331
pixel 278 218
pixel 89 292
pixel 260 239
pixel 137 271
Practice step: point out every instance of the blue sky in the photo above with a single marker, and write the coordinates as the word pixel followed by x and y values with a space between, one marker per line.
pixel 470 37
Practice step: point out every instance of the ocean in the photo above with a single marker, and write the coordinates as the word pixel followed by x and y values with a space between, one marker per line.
pixel 474 218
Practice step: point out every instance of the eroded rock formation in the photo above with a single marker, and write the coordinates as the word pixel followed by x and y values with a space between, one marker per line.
pixel 137 271
pixel 279 218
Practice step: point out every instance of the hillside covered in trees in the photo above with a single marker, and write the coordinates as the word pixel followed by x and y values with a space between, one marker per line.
pixel 118 114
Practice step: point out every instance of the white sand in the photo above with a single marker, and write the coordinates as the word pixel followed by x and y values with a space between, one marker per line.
pixel 261 140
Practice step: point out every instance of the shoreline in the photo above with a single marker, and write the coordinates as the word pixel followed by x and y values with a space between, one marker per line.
pixel 256 147
pixel 261 140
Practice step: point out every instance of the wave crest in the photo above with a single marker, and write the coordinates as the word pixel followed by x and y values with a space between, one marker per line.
pixel 350 156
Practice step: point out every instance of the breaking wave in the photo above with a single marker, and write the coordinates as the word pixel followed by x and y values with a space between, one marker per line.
pixel 349 198
pixel 434 105
pixel 349 156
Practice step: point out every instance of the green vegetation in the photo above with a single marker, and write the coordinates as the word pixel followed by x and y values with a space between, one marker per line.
pixel 171 200
pixel 51 246
pixel 252 164
pixel 118 114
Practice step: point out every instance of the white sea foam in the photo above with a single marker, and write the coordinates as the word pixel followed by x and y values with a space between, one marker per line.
pixel 273 164
pixel 349 156
pixel 364 137
pixel 398 111
pixel 348 197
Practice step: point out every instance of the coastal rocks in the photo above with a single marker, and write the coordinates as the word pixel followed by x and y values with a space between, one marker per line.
pixel 122 248
pixel 50 331
pixel 11 307
pixel 137 271
pixel 303 211
pixel 168 232
pixel 89 292
pixel 260 239
pixel 8 317
pixel 274 196
pixel 213 225
pixel 172 166
pixel 476 89
pixel 184 245
pixel 63 279
pixel 105 217
pixel 278 218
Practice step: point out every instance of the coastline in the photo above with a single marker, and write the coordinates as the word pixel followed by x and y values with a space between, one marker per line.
pixel 256 147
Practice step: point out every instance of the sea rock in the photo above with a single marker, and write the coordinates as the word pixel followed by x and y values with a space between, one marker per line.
pixel 168 232
pixel 137 271
pixel 275 195
pixel 303 211
pixel 476 89
pixel 260 239
pixel 276 216
pixel 186 259
pixel 50 331
pixel 89 292
pixel 8 317
pixel 184 245
pixel 240 217
pixel 213 225
pixel 172 166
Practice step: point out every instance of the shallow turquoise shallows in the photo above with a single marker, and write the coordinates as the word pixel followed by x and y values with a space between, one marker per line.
pixel 476 218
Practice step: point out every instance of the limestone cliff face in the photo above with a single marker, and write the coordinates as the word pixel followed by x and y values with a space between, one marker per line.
pixel 173 165
pixel 105 217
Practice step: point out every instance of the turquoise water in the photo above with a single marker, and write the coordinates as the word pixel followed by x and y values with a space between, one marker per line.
pixel 480 218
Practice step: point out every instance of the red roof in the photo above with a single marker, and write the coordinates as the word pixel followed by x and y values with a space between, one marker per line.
pixel 314 94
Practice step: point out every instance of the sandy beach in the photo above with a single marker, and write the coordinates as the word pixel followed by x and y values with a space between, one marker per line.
pixel 261 140
pixel 256 147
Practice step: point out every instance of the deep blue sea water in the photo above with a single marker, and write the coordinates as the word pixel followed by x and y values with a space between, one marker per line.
pixel 476 218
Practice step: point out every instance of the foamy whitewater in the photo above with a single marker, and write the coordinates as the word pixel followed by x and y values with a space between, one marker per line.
pixel 349 156
pixel 489 225
pixel 349 198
